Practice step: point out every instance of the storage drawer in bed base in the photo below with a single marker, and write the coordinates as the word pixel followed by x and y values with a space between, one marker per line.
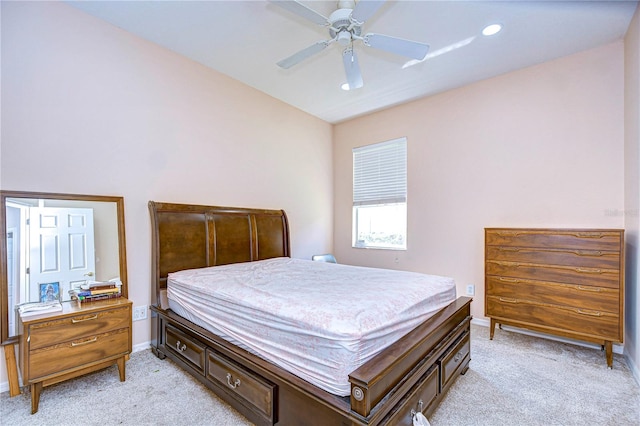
pixel 185 347
pixel 421 397
pixel 455 359
pixel 253 391
pixel 432 386
pixel 245 390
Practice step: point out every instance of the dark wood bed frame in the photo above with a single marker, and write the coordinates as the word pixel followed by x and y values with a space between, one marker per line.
pixel 411 375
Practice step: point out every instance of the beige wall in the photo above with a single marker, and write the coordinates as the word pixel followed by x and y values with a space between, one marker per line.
pixel 632 191
pixel 88 108
pixel 539 147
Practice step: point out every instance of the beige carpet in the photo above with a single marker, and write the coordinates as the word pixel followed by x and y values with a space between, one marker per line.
pixel 512 380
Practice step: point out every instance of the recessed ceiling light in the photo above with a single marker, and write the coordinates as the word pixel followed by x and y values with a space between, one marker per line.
pixel 345 86
pixel 492 29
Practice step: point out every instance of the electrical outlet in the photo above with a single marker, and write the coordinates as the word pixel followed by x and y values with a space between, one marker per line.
pixel 471 289
pixel 139 313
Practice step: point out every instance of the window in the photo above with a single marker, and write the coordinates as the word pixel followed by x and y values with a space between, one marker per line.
pixel 380 195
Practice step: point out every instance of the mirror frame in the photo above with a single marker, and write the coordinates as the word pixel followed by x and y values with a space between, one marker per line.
pixel 4 291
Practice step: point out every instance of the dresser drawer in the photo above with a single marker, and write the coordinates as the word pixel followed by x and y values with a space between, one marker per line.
pixel 596 324
pixel 597 277
pixel 185 347
pixel 256 393
pixel 46 333
pixel 569 257
pixel 58 358
pixel 453 359
pixel 587 297
pixel 568 239
pixel 419 399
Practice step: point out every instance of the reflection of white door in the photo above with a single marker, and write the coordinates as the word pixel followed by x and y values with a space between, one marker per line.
pixel 62 250
pixel 13 278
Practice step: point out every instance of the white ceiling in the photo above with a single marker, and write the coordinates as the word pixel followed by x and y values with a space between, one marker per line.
pixel 245 39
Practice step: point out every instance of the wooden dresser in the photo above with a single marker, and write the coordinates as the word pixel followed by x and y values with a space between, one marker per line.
pixel 566 282
pixel 78 340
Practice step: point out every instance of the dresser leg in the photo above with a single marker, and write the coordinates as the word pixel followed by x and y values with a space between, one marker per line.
pixel 121 368
pixel 608 347
pixel 12 369
pixel 35 396
pixel 492 326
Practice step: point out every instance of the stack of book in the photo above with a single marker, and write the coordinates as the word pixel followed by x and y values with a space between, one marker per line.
pixel 96 291
pixel 35 308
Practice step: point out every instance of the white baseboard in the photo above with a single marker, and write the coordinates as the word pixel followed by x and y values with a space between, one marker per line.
pixel 141 347
pixel 4 386
pixel 635 368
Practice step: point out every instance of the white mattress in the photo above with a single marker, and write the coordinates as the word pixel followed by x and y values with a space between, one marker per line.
pixel 319 321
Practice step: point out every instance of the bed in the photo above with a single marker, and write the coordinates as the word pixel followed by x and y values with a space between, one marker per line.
pixel 393 385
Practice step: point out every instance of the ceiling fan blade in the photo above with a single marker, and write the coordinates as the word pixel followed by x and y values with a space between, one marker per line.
pixel 365 9
pixel 302 10
pixel 399 46
pixel 303 54
pixel 352 69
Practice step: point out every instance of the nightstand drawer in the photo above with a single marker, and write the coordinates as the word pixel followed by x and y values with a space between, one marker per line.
pixel 46 333
pixel 255 392
pixel 186 347
pixel 56 359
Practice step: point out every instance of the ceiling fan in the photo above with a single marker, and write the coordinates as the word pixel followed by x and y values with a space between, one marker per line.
pixel 345 27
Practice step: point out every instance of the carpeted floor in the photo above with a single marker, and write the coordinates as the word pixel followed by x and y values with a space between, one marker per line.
pixel 512 380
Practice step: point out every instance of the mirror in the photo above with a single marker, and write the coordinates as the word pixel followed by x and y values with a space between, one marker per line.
pixel 53 243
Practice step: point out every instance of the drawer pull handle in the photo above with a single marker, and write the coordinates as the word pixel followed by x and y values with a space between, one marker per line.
pixel 589 235
pixel 509 280
pixel 508 300
pixel 180 348
pixel 589 270
pixel 457 357
pixel 86 342
pixel 590 313
pixel 588 253
pixel 75 321
pixel 234 384
pixel 593 289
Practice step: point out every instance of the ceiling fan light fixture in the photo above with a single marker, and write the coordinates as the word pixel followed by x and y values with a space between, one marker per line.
pixel 344 37
pixel 491 29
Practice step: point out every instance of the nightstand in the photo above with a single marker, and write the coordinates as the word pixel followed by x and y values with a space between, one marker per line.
pixel 80 339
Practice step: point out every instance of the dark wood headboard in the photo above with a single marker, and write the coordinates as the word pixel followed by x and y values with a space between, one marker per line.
pixel 186 236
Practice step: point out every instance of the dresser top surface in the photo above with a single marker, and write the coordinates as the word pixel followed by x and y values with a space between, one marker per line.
pixel 71 308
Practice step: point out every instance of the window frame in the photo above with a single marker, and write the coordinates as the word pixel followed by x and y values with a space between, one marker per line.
pixel 380 180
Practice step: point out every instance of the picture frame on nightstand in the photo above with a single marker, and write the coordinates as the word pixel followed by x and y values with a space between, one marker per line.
pixel 49 292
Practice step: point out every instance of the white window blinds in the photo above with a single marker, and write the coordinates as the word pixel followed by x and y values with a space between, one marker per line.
pixel 380 173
